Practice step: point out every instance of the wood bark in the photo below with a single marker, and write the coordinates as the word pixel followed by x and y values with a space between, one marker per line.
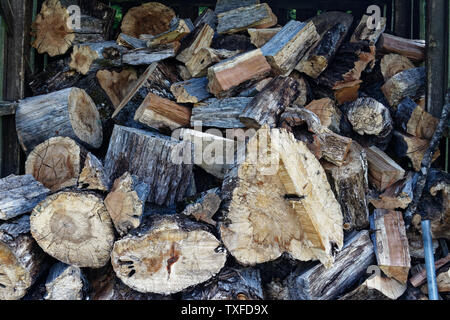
pixel 125 202
pixel 412 49
pixel 275 203
pixel 205 57
pixel 220 113
pixel 227 5
pixel 408 83
pixel 69 112
pixel 363 32
pixel 65 282
pixel 377 288
pixel 242 18
pixel 146 56
pixel 177 261
pixel 19 195
pixel 191 91
pixel 267 106
pixel 392 249
pixel 259 37
pixel 153 158
pixel 229 76
pixel 130 42
pixel 74 227
pixel 21 259
pixel 56 163
pixel 383 171
pixel 320 283
pixel 93 175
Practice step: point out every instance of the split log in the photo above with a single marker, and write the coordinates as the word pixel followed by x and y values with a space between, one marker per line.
pixel 443 281
pixel 275 203
pixel 56 163
pixel 412 49
pixel 21 259
pixel 421 277
pixel 116 85
pixel 391 64
pixel 183 72
pixel 377 287
pixel 19 195
pixel 65 282
pixel 318 57
pixel 397 196
pixel 383 171
pixel 413 119
pixel 227 5
pixel 125 202
pixel 392 249
pixel 202 39
pixel 267 106
pixel 162 114
pixel 239 72
pixel 153 158
pixel 177 261
pixel 93 175
pixel 54 34
pixel 242 18
pixel 259 37
pixel 363 32
pixel 230 284
pixel 89 57
pixel 205 57
pixel 211 152
pixel 232 42
pixel 191 91
pixel 411 148
pixel 146 56
pixel 178 29
pixel 329 115
pixel 204 206
pixel 256 88
pixel 75 228
pixel 69 112
pixel 320 283
pixel 288 46
pixel 220 113
pixel 150 18
pixel 350 185
pixel 130 42
pixel 408 83
pixel 208 17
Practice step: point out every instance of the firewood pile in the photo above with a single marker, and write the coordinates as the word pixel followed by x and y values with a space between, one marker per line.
pixel 228 157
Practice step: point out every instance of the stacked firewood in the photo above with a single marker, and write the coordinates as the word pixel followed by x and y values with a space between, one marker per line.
pixel 225 158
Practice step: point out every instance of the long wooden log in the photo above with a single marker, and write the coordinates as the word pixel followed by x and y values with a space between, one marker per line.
pixel 220 113
pixel 412 49
pixel 408 83
pixel 227 5
pixel 146 56
pixel 69 112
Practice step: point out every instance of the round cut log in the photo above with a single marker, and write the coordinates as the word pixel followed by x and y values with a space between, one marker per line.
pixel 167 255
pixel 368 116
pixel 74 228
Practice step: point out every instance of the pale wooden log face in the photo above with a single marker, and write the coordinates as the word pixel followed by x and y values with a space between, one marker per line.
pixel 85 118
pixel 150 18
pixel 82 58
pixel 14 279
pixel 74 228
pixel 177 260
pixel 117 85
pixel 51 31
pixel 55 163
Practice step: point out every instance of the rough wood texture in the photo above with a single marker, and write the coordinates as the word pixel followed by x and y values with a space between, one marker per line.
pixel 421 277
pixel 350 184
pixel 116 84
pixel 56 163
pixel 69 112
pixel 179 28
pixel 202 39
pixel 242 18
pixel 151 157
pixel 412 49
pixel 256 88
pixel 363 32
pixel 204 206
pixel 75 228
pixel 230 284
pixel 397 196
pixel 150 18
pixel 267 106
pixel 240 71
pixel 208 17
pixel 162 114
pixel 320 283
pixel 408 83
pixel 21 259
pixel 276 202
pixel 391 64
pixel 200 62
pixel 220 113
pixel 93 175
pixel 288 46
pixel 392 244
pixel 177 261
pixel 227 5
pixel 260 37
pixel 329 115
pixel 413 119
pixel 377 287
pixel 146 56
pixel 125 202
pixel 191 91
pixel 19 195
pixel 65 282
pixel 130 42
pixel 383 171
